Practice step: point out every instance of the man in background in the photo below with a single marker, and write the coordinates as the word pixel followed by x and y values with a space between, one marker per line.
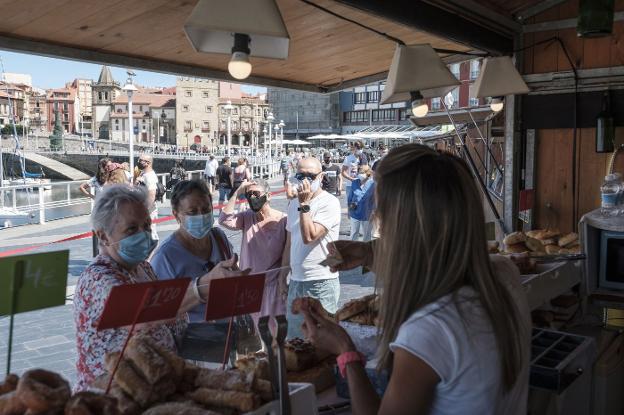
pixel 352 163
pixel 224 179
pixel 147 177
pixel 332 179
pixel 210 171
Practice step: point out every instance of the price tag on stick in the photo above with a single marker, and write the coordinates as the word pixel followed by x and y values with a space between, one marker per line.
pixel 131 304
pixel 230 297
pixel 31 282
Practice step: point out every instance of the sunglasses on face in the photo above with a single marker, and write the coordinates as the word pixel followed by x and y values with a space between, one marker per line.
pixel 255 194
pixel 303 176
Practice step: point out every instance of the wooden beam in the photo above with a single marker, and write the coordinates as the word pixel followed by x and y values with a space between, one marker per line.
pixel 53 50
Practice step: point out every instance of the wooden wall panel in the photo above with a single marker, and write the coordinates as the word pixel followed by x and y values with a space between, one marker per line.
pixel 592 168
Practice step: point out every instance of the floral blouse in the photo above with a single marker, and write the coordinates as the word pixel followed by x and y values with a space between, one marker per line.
pixel 94 285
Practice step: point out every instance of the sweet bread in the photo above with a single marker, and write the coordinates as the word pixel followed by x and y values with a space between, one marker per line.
pixel 9 384
pixel 10 404
pixel 91 403
pixel 150 363
pixel 354 307
pixel 299 354
pixel 552 249
pixel 569 239
pixel 242 401
pixel 178 408
pixel 232 380
pixel 514 238
pixel 534 245
pixel 129 380
pixel 125 405
pixel 43 391
pixel 516 248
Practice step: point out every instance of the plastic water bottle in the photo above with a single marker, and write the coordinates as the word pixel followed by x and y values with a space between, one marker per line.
pixel 609 193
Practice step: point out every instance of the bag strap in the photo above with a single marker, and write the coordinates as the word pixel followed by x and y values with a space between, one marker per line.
pixel 224 248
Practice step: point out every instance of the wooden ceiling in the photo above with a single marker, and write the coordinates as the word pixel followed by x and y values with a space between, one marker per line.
pixel 324 51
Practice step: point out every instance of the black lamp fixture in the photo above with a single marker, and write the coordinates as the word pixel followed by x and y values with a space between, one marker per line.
pixel 605 127
pixel 595 18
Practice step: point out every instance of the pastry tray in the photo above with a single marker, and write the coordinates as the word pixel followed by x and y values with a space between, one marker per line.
pixel 302 402
pixel 550 281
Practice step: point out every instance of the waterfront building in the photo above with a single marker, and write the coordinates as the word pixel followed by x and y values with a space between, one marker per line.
pixel 104 92
pixel 65 100
pixel 196 113
pixel 84 91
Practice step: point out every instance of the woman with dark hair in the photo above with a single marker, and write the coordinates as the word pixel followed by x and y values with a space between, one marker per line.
pixel 454 322
pixel 96 182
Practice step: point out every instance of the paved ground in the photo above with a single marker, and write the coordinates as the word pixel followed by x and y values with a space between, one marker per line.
pixel 46 338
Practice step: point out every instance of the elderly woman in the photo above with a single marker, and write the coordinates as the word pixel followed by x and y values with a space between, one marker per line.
pixel 263 243
pixel 122 224
pixel 191 251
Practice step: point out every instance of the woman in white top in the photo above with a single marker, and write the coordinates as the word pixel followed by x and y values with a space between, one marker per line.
pixel 454 324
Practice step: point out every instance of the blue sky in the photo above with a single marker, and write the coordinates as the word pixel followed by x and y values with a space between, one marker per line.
pixel 54 73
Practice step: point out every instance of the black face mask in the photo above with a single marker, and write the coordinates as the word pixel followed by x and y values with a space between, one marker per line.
pixel 256 203
pixel 141 166
pixel 327 161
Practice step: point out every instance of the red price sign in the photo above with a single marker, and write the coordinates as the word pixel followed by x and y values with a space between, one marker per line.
pixel 144 302
pixel 229 297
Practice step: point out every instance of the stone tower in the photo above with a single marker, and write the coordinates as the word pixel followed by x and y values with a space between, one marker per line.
pixel 105 90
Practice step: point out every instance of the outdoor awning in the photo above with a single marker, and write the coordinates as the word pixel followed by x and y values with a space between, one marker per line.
pixel 461 115
pixel 296 142
pixel 326 53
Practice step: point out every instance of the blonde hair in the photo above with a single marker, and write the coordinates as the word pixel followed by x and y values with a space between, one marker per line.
pixel 432 244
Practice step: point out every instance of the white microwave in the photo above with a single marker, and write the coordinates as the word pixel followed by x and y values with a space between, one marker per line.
pixel 611 271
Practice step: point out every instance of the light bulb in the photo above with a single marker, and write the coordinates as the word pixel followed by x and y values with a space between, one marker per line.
pixel 419 108
pixel 239 66
pixel 497 104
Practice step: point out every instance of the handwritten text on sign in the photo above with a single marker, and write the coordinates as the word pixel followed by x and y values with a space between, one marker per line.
pixel 124 301
pixel 234 296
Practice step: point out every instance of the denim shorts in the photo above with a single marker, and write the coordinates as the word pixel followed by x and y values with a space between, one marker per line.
pixel 224 193
pixel 326 291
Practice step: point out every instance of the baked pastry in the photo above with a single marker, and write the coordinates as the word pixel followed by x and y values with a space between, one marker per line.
pixel 9 384
pixel 493 247
pixel 534 245
pixel 176 362
pixel 367 318
pixel 43 391
pixel 254 364
pixel 264 389
pixel 151 364
pixel 125 405
pixel 516 248
pixel 242 401
pixel 545 242
pixel 514 238
pixel 321 376
pixel 300 354
pixel 10 404
pixel 305 303
pixel 552 249
pixel 232 380
pixel 568 239
pixel 544 234
pixel 129 380
pixel 354 307
pixel 178 408
pixel 91 403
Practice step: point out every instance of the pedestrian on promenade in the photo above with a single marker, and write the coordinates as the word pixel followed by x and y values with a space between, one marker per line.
pixel 285 167
pixel 455 326
pixel 361 203
pixel 313 222
pixel 96 182
pixel 176 175
pixel 240 174
pixel 351 164
pixel 332 179
pixel 224 179
pixel 120 218
pixel 147 178
pixel 263 245
pixel 210 171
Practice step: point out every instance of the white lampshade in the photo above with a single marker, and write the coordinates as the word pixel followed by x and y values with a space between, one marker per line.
pixel 212 24
pixel 499 77
pixel 417 68
pixel 239 66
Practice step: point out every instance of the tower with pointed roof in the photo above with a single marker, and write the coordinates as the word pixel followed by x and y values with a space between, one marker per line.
pixel 105 90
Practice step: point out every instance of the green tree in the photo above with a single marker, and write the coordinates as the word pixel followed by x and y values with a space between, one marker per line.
pixel 56 139
pixel 8 129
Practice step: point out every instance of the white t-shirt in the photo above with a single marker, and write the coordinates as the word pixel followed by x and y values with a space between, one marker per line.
pixel 352 162
pixel 305 259
pixel 459 344
pixel 150 180
pixel 211 167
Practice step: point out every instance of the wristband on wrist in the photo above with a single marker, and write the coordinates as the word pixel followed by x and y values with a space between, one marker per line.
pixel 195 283
pixel 349 357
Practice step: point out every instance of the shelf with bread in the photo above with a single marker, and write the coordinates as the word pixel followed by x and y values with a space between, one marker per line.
pixel 151 381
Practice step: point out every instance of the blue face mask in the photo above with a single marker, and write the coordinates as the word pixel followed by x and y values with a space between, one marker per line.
pixel 136 248
pixel 198 226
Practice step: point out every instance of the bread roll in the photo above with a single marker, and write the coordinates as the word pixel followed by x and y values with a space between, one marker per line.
pixel 300 355
pixel 552 249
pixel 549 241
pixel 516 249
pixel 178 408
pixel 233 380
pixel 493 247
pixel 568 239
pixel 514 238
pixel 546 234
pixel 354 307
pixel 534 233
pixel 534 245
pixel 242 401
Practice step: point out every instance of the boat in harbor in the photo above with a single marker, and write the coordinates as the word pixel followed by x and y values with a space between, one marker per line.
pixel 12 217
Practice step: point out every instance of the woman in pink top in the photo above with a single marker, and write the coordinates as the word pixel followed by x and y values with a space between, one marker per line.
pixel 263 242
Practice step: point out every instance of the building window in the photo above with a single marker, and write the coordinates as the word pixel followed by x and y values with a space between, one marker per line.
pixel 474 69
pixel 208 109
pixel 360 97
pixel 373 96
pixel 234 125
pixel 188 125
pixel 246 125
pixel 436 104
pixel 116 121
pixel 223 111
pixel 205 94
pixel 188 93
pixel 106 96
pixel 473 102
pixel 384 115
pixel 223 125
pixel 455 94
pixel 205 126
pixel 100 96
pixel 356 116
pixel 235 111
pixel 185 108
pixel 455 69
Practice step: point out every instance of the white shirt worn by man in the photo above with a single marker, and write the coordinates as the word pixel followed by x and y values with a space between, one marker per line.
pixel 211 168
pixel 456 340
pixel 150 180
pixel 305 259
pixel 352 162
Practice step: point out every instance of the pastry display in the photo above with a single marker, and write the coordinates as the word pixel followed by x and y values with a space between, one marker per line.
pixel 363 311
pixel 514 238
pixel 305 303
pixel 541 242
pixel 91 403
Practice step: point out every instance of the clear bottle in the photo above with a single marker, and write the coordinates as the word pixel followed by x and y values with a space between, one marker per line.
pixel 609 193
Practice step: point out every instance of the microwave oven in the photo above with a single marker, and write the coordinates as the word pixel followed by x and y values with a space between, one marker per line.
pixel 611 271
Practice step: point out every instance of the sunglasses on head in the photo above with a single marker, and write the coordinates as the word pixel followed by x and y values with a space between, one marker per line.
pixel 302 176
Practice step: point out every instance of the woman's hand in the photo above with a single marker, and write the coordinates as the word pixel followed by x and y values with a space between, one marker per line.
pixel 324 333
pixel 242 189
pixel 224 269
pixel 345 255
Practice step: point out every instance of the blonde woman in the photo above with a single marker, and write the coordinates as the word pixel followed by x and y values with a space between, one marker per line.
pixel 454 322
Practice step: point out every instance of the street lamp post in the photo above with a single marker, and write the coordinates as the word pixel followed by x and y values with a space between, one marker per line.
pixel 270 119
pixel 130 88
pixel 228 108
pixel 281 140
pixel 265 132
